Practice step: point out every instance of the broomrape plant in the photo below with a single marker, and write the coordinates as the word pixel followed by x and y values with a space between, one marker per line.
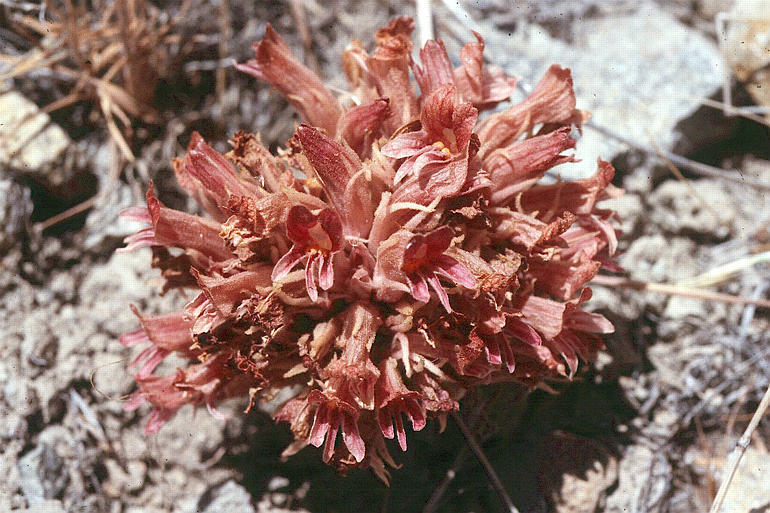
pixel 396 253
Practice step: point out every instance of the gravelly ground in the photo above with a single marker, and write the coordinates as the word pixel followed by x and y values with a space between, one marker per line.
pixel 642 430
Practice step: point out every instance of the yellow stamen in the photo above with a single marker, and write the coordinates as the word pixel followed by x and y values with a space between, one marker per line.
pixel 442 147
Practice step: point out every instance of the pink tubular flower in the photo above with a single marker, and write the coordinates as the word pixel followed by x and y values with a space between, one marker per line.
pixel 483 86
pixel 447 126
pixel 274 63
pixel 165 334
pixel 502 347
pixel 316 239
pixel 393 399
pixel 424 260
pixel 443 262
pixel 331 415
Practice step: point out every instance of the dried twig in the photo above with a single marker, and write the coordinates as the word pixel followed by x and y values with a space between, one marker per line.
pixel 505 499
pixel 741 112
pixel 748 313
pixel 113 55
pixel 115 170
pixel 698 168
pixel 70 212
pixel 738 372
pixel 739 450
pixel 679 176
pixel 450 475
pixel 677 290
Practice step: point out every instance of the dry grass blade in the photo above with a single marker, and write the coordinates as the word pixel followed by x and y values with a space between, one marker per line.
pixel 32 61
pixel 740 449
pixel 724 272
pixel 677 290
pixel 224 38
pixel 107 109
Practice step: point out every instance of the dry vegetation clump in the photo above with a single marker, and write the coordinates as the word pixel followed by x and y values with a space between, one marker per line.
pixel 111 54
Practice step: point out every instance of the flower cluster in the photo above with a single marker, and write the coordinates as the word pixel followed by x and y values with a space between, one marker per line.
pixel 397 252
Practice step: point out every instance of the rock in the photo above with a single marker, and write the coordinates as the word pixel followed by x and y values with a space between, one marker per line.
pixel 17 393
pixel 583 468
pixel 710 8
pixel 704 207
pixel 111 375
pixel 277 482
pixel 15 209
pixel 757 168
pixel 746 47
pixel 231 498
pixel 653 69
pixel 682 308
pixel 41 476
pixel 630 210
pixel 134 445
pixel 190 434
pixel 659 259
pixel 643 480
pixel 29 142
pixel 45 507
pixel 39 345
pixel 652 258
pixel 108 290
pixel 274 503
pixel 122 481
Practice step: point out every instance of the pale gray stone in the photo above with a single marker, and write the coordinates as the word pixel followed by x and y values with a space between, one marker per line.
pixel 230 497
pixel 29 141
pixel 643 477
